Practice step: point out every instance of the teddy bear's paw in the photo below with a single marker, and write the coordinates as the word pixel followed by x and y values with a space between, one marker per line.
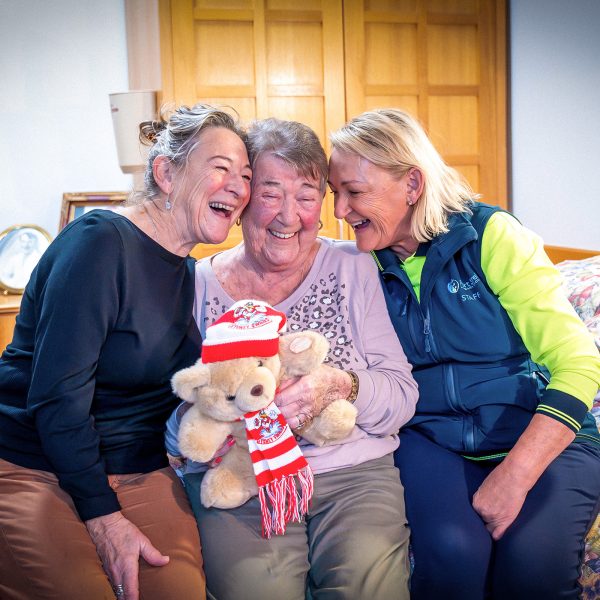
pixel 335 422
pixel 223 488
pixel 302 352
pixel 194 443
pixel 195 453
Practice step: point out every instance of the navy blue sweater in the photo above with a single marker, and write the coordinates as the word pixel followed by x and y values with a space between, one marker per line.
pixel 105 321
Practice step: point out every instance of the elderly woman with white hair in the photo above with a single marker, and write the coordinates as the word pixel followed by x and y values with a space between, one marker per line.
pixel 353 542
pixel 502 451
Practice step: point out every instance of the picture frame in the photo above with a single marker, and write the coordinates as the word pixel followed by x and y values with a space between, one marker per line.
pixel 21 247
pixel 75 204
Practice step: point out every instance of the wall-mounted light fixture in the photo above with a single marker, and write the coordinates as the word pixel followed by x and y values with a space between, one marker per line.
pixel 128 110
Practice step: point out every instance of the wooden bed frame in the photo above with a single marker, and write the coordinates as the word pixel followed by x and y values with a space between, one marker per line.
pixel 559 253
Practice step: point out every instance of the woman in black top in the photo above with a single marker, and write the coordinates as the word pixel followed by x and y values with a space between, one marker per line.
pixel 105 320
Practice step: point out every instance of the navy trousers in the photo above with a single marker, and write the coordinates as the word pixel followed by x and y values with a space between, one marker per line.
pixel 539 556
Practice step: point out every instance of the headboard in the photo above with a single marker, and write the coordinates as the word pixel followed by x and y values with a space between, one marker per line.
pixel 559 253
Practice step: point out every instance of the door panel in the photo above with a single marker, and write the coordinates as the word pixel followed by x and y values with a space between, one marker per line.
pixel 444 62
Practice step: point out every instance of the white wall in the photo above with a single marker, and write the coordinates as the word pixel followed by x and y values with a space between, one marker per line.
pixel 59 60
pixel 555 56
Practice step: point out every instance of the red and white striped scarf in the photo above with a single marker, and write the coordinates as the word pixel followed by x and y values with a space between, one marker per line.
pixel 284 478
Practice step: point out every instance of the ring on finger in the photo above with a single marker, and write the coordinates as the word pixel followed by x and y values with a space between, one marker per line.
pixel 301 422
pixel 119 590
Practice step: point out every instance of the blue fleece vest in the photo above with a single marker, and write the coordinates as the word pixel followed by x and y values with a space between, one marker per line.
pixel 478 386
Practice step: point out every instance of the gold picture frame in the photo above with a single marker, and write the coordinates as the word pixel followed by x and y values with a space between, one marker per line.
pixel 21 247
pixel 75 204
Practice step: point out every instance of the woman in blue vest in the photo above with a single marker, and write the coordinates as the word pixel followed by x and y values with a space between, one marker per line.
pixel 501 463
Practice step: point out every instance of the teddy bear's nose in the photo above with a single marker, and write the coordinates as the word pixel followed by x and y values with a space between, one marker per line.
pixel 257 390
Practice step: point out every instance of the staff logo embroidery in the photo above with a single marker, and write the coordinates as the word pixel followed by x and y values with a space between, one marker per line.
pixel 453 286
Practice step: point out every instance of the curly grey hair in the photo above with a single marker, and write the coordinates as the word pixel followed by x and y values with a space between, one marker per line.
pixel 178 136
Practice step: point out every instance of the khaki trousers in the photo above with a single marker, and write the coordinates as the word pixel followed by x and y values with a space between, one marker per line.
pixel 46 552
pixel 353 545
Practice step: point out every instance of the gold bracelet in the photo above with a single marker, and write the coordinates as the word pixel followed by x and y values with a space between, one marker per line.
pixel 353 395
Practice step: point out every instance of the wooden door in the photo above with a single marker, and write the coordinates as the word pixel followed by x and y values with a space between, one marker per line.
pixel 279 58
pixel 443 61
pixel 324 61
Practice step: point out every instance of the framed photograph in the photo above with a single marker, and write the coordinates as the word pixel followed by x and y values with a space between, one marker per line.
pixel 76 204
pixel 21 247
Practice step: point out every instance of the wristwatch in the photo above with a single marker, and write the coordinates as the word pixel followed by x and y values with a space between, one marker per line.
pixel 353 395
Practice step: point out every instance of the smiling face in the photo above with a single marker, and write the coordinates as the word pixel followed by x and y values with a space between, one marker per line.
pixel 374 203
pixel 282 220
pixel 213 187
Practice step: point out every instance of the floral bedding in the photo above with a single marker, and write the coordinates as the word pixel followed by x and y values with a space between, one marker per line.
pixel 581 281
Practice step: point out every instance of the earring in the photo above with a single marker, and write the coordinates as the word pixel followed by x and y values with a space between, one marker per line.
pixel 238 221
pixel 168 204
pixel 320 224
pixel 410 202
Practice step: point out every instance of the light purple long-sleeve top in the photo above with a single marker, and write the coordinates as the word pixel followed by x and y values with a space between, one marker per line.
pixel 341 297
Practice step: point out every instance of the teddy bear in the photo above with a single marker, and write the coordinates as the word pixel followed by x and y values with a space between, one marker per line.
pixel 232 388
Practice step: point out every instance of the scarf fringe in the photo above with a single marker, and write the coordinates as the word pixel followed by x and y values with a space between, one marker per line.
pixel 284 501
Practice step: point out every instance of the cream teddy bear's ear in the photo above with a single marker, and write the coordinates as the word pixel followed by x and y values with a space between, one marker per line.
pixel 302 352
pixel 186 381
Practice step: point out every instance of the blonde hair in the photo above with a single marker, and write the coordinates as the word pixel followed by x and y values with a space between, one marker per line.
pixel 393 140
